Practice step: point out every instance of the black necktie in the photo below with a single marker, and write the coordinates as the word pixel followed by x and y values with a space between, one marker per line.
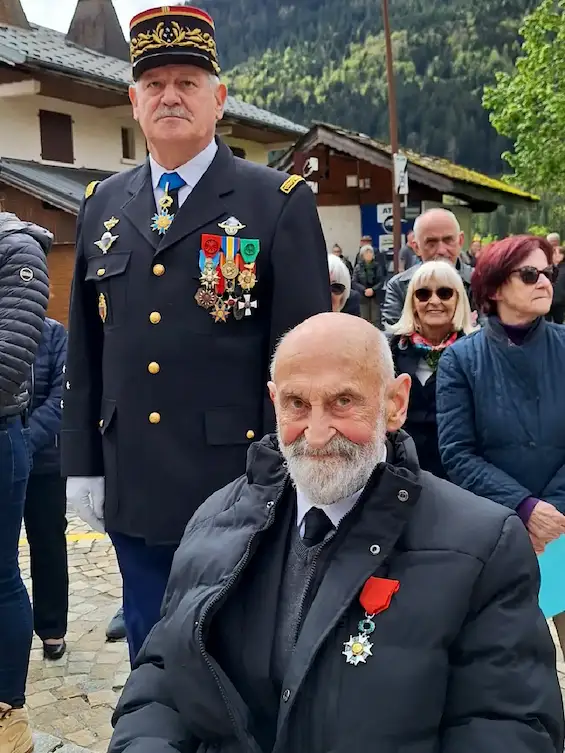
pixel 316 526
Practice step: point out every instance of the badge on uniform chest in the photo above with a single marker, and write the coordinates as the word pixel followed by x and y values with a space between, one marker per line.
pixel 228 274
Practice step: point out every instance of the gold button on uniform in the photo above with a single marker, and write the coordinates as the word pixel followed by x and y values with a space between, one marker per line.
pixel 154 317
pixel 250 434
pixel 101 423
pixel 154 418
pixel 101 272
pixel 154 367
pixel 158 270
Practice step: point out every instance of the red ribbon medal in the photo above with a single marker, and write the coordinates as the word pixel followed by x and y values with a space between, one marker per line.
pixel 377 594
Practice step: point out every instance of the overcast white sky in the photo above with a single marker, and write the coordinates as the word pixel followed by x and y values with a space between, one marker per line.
pixel 57 14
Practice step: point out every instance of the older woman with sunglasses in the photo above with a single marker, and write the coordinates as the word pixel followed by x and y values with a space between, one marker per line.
pixel 436 314
pixel 501 420
pixel 343 297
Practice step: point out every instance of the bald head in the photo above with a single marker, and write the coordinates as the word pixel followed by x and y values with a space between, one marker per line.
pixel 438 235
pixel 325 334
pixel 335 396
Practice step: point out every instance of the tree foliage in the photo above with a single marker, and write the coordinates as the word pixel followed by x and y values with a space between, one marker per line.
pixel 527 104
pixel 325 60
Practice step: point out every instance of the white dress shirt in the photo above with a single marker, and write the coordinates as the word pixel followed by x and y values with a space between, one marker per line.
pixel 191 172
pixel 336 512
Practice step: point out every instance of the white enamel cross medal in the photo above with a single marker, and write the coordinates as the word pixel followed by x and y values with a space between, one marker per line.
pixel 358 647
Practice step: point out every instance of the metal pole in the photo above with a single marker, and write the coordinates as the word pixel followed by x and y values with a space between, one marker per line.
pixel 393 123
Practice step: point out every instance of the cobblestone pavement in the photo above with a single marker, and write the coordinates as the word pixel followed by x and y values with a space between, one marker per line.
pixel 72 699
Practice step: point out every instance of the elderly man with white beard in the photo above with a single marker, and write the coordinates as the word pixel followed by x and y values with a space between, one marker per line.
pixel 337 598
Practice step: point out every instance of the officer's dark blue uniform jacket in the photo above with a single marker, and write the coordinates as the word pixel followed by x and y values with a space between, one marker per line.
pixel 163 400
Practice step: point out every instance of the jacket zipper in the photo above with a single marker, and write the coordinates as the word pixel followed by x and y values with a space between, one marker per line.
pixel 223 593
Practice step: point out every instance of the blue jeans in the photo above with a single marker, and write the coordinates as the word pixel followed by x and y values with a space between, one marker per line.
pixel 15 610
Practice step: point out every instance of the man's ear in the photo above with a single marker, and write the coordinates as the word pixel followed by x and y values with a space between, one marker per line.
pixel 132 92
pixel 272 391
pixel 397 402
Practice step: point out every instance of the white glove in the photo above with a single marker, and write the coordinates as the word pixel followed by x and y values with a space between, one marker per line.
pixel 86 497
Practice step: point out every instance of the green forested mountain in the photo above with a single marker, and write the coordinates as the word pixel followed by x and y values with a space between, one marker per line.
pixel 324 60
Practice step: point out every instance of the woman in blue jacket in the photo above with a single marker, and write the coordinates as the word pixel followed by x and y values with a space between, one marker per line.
pixel 500 415
pixel 45 505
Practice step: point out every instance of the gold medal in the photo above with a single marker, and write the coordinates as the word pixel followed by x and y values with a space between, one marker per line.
pixel 247 279
pixel 230 270
pixel 220 312
pixel 102 307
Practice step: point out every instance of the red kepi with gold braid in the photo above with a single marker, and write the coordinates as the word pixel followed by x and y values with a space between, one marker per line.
pixel 173 35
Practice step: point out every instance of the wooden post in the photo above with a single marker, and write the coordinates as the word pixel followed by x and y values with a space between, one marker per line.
pixel 393 127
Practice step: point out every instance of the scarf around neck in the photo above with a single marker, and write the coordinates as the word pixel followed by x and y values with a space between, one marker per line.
pixel 429 352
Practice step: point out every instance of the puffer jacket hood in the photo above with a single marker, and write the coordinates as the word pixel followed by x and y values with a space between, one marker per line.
pixel 10 223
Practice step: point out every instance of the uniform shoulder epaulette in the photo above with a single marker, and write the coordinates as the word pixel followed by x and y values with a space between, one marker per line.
pixel 91 189
pixel 291 183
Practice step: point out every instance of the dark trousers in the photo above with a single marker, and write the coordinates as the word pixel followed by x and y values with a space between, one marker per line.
pixel 145 572
pixel 44 516
pixel 15 609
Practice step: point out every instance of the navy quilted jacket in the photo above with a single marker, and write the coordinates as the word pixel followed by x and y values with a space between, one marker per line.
pixel 47 392
pixel 501 414
pixel 24 293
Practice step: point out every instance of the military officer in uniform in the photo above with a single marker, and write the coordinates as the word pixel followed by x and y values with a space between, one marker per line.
pixel 189 268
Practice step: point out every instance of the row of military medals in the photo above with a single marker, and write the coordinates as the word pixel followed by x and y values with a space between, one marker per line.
pixel 228 274
pixel 227 266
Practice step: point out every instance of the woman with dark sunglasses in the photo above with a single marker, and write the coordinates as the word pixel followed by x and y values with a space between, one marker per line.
pixel 343 297
pixel 436 313
pixel 501 418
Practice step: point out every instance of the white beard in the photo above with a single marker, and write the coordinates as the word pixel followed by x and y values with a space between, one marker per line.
pixel 329 480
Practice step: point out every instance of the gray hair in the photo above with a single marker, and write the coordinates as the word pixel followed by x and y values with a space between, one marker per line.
pixel 439 210
pixel 340 273
pixel 386 362
pixel 554 237
pixel 365 248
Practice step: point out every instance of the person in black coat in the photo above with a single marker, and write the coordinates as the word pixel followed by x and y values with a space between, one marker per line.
pixel 369 277
pixel 336 597
pixel 189 268
pixel 557 310
pixel 436 314
pixel 24 291
pixel 45 505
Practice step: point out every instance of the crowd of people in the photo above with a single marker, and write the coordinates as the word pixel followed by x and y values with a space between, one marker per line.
pixel 327 533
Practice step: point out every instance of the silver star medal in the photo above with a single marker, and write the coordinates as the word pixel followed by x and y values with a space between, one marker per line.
pixel 357 649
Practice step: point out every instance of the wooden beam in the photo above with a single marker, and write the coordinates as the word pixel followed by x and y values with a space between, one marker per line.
pixel 26 88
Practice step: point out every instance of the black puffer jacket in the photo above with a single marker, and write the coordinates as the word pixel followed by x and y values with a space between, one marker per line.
pixel 24 294
pixel 462 660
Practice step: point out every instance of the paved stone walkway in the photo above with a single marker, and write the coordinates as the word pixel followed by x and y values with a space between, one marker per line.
pixel 71 701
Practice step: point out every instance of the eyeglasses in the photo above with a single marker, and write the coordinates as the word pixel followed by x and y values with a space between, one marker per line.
pixel 530 275
pixel 424 294
pixel 338 288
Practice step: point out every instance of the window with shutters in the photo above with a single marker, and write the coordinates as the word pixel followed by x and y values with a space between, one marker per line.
pixel 128 143
pixel 56 129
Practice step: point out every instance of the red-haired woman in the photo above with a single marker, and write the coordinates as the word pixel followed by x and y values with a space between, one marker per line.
pixel 500 413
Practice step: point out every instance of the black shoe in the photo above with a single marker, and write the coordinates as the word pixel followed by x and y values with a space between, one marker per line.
pixel 116 630
pixel 54 651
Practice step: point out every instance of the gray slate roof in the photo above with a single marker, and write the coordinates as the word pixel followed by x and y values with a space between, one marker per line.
pixel 49 49
pixel 63 187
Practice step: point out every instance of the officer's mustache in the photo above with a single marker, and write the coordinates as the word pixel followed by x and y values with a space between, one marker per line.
pixel 173 112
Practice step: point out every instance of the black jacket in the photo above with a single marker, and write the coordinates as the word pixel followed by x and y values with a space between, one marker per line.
pixel 24 294
pixel 368 275
pixel 203 383
pixel 396 288
pixel 421 421
pixel 559 287
pixel 46 395
pixel 462 660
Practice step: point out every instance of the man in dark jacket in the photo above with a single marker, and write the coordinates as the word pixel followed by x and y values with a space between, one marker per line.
pixel 24 293
pixel 336 597
pixel 438 236
pixel 189 268
pixel 46 504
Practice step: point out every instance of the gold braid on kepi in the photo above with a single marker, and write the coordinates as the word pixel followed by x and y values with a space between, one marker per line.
pixel 173 35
